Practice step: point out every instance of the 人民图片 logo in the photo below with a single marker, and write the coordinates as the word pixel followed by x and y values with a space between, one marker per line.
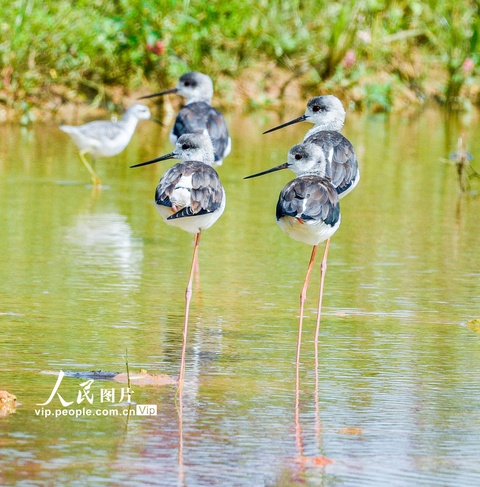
pixel 86 396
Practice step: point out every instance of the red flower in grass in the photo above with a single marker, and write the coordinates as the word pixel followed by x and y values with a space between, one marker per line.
pixel 158 48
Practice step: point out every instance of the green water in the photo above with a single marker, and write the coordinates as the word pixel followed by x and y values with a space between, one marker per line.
pixel 87 274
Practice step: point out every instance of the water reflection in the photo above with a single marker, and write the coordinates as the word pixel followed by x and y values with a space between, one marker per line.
pixel 104 244
pixel 181 465
pixel 395 399
pixel 309 462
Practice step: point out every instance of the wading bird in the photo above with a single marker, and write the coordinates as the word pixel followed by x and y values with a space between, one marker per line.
pixel 198 115
pixel 328 115
pixel 103 138
pixel 190 196
pixel 308 211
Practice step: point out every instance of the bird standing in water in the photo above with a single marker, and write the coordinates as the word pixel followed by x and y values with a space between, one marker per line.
pixel 198 115
pixel 191 197
pixel 328 116
pixel 308 211
pixel 103 138
pixel 341 168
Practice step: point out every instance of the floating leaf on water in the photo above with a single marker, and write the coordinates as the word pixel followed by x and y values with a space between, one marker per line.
pixel 144 379
pixel 474 325
pixel 350 431
pixel 140 379
pixel 306 461
pixel 8 403
pixel 321 461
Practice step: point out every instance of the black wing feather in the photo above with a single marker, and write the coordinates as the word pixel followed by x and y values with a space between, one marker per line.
pixel 309 198
pixel 206 191
pixel 198 117
pixel 342 167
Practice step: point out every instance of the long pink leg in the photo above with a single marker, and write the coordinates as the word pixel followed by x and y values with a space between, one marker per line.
pixel 188 296
pixel 318 421
pixel 303 296
pixel 323 270
pixel 181 468
pixel 298 428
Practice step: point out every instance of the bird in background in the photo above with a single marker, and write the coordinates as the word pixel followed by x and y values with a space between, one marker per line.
pixel 308 211
pixel 328 116
pixel 198 115
pixel 103 138
pixel 190 196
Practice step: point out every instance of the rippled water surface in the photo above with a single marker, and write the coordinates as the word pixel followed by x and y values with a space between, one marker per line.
pixel 89 277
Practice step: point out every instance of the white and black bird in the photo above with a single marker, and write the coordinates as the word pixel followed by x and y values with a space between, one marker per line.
pixel 198 115
pixel 190 196
pixel 328 116
pixel 103 138
pixel 308 211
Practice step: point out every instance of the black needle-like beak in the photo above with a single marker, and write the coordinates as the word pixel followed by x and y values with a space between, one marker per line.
pixel 299 119
pixel 273 169
pixel 158 159
pixel 173 90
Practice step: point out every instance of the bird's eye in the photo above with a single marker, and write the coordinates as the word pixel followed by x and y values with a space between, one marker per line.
pixel 298 157
pixel 316 108
pixel 185 146
pixel 187 83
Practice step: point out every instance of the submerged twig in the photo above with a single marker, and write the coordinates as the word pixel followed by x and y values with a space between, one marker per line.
pixel 126 366
pixel 462 159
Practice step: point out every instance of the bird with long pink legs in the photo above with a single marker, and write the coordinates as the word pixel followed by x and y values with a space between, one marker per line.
pixel 307 211
pixel 328 117
pixel 190 196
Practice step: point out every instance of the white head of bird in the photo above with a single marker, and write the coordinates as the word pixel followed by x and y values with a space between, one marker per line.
pixel 194 147
pixel 303 160
pixel 194 86
pixel 326 112
pixel 138 111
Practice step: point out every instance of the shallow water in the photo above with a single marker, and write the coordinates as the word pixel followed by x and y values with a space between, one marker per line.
pixel 89 277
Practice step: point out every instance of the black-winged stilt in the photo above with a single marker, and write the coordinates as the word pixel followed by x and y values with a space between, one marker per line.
pixel 191 197
pixel 308 211
pixel 198 115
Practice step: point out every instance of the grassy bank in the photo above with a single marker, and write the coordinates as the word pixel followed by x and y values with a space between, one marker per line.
pixel 379 54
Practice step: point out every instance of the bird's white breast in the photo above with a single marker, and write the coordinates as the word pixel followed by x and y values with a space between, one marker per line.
pixel 311 232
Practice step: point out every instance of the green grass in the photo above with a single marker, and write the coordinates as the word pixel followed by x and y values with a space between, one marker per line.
pixel 366 49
